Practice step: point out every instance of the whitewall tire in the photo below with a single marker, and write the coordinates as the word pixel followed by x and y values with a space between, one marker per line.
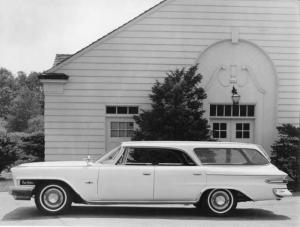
pixel 53 198
pixel 220 202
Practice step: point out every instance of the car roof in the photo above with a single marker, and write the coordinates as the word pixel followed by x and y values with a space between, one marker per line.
pixel 189 144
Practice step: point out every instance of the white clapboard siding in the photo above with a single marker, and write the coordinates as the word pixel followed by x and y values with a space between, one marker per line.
pixel 70 157
pixel 86 119
pixel 100 100
pixel 79 131
pixel 211 29
pixel 244 3
pixel 72 138
pixel 73 106
pixel 115 86
pixel 77 144
pixel 146 54
pixel 77 151
pixel 229 9
pixel 293 121
pixel 288 102
pixel 121 68
pixel 73 125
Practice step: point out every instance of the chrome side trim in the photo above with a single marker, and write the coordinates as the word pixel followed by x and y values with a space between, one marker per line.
pixel 139 202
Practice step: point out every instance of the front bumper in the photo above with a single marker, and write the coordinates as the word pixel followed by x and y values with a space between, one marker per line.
pixel 281 192
pixel 21 193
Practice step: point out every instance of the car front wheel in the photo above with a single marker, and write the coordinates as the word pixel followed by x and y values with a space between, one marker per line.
pixel 53 198
pixel 220 202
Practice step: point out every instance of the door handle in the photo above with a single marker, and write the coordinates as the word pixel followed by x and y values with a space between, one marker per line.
pixel 197 174
pixel 146 174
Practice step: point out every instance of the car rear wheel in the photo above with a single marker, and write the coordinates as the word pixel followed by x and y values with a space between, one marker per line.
pixel 53 198
pixel 220 202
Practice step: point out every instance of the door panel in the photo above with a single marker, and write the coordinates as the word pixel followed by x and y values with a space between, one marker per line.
pixel 233 130
pixel 221 130
pixel 118 130
pixel 178 183
pixel 242 131
pixel 126 183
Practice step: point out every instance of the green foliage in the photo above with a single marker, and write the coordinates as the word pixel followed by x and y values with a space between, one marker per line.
pixel 21 110
pixel 21 99
pixel 8 151
pixel 286 151
pixel 36 124
pixel 24 107
pixel 6 91
pixel 176 112
pixel 31 147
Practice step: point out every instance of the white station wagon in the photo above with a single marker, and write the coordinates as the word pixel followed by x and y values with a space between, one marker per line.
pixel 214 176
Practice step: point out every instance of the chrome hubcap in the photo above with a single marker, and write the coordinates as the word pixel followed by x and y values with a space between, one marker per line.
pixel 220 200
pixel 53 198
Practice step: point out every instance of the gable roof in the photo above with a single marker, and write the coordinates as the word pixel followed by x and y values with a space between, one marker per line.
pixel 83 50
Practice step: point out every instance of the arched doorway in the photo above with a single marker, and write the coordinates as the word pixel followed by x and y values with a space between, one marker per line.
pixel 249 69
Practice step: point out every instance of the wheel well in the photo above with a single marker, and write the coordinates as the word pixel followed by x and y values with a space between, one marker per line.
pixel 76 198
pixel 241 197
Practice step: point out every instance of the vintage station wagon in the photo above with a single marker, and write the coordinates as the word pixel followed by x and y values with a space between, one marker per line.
pixel 214 176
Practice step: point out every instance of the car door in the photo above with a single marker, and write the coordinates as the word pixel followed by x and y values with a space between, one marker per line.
pixel 130 179
pixel 177 177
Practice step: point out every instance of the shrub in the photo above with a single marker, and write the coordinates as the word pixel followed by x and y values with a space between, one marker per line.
pixel 286 151
pixel 31 147
pixel 8 154
pixel 176 112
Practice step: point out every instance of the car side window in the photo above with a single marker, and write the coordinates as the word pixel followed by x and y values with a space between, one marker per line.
pixel 221 156
pixel 155 156
pixel 137 156
pixel 170 157
pixel 255 157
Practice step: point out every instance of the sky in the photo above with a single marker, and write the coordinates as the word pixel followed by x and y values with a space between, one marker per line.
pixel 33 31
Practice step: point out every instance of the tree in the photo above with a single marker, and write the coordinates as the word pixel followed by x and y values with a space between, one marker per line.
pixel 176 112
pixel 7 87
pixel 286 151
pixel 25 106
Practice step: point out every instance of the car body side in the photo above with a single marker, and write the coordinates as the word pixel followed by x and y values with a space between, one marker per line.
pixel 89 179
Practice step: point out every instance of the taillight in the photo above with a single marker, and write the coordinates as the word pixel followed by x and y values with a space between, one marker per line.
pixel 279 180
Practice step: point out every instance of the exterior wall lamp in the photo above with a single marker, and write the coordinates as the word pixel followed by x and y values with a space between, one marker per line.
pixel 235 96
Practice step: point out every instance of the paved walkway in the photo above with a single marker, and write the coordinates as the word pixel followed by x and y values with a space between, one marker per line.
pixel 266 213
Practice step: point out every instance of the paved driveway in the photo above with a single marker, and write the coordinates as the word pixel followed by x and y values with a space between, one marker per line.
pixel 266 213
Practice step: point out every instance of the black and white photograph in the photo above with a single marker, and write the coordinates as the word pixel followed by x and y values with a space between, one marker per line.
pixel 150 113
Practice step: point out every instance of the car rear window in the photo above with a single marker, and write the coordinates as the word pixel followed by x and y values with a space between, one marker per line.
pixel 230 156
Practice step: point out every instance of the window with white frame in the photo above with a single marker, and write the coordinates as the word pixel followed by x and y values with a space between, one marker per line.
pixel 122 110
pixel 242 130
pixel 121 129
pixel 232 110
pixel 219 130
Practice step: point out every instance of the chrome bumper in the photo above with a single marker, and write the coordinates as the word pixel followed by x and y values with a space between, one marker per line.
pixel 21 193
pixel 281 192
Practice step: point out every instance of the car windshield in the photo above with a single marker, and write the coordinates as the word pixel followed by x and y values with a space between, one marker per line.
pixel 110 156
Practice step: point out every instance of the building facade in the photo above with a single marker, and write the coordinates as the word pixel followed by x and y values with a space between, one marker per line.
pixel 251 45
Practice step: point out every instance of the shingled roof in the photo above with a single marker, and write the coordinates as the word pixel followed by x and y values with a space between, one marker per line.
pixel 59 58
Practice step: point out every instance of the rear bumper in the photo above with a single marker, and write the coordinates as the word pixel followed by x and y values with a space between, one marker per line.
pixel 281 193
pixel 21 193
